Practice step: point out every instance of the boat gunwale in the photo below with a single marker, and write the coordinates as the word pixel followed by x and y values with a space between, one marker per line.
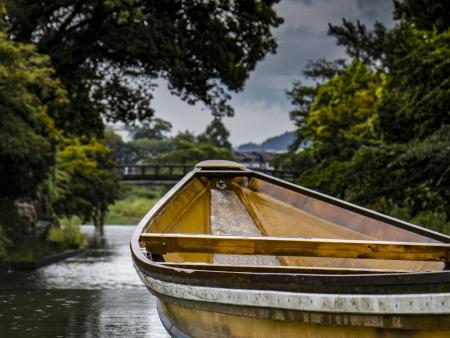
pixel 380 282
pixel 375 304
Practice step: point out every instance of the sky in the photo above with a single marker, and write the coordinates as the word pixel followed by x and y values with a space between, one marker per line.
pixel 262 108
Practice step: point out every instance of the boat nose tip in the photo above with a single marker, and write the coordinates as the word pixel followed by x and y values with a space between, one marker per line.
pixel 219 164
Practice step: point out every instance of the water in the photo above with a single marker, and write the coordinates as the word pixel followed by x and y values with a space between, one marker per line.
pixel 97 294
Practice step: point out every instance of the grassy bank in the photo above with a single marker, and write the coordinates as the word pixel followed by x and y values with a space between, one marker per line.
pixel 58 239
pixel 133 204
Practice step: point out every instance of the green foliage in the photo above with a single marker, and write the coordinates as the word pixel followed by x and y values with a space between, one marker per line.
pixel 418 87
pixel 87 179
pixel 378 129
pixel 415 175
pixel 68 236
pixel 153 192
pixel 109 53
pixel 27 133
pixel 341 114
pixel 216 134
pixel 299 162
pixel 436 221
pixel 133 204
pixel 155 129
pixel 129 211
pixel 424 14
pixel 187 151
pixel 184 148
pixel 5 243
pixel 136 150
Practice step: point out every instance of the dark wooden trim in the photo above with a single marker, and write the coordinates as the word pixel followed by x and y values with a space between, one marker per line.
pixel 386 283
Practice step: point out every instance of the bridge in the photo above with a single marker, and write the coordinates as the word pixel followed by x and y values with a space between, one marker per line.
pixel 168 174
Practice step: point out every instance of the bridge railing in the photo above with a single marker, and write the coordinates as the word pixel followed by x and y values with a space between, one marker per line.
pixel 175 171
pixel 153 171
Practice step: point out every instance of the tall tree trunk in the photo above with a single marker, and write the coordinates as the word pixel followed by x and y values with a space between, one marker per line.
pixel 99 218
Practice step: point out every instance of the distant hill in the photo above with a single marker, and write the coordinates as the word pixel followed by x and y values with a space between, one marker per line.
pixel 272 144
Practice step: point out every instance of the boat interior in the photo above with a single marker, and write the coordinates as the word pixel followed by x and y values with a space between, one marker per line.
pixel 241 220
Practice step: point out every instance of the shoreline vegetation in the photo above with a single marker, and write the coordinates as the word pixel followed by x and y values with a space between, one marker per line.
pixel 133 203
pixel 45 247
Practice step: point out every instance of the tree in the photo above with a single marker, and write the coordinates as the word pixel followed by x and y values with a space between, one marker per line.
pixel 412 176
pixel 186 149
pixel 86 177
pixel 339 115
pixel 27 133
pixel 155 128
pixel 424 14
pixel 379 127
pixel 142 149
pixel 109 53
pixel 216 134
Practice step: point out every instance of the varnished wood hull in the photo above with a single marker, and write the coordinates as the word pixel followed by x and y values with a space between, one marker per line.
pixel 184 321
pixel 193 311
pixel 201 295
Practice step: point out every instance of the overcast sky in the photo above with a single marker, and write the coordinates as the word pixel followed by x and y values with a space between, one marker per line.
pixel 262 108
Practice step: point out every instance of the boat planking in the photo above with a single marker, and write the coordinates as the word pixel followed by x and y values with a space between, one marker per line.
pixel 233 252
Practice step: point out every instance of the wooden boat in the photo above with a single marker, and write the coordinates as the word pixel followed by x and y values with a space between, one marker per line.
pixel 231 252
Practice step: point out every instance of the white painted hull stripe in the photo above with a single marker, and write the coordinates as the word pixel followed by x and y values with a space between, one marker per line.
pixel 407 304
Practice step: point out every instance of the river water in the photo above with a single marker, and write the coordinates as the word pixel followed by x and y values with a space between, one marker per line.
pixel 97 294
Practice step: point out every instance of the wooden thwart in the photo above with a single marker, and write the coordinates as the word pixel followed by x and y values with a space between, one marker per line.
pixel 278 269
pixel 161 243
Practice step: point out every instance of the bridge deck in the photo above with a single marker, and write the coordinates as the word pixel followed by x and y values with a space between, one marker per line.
pixel 153 174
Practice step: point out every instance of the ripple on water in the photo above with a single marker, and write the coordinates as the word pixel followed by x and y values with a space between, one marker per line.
pixel 97 294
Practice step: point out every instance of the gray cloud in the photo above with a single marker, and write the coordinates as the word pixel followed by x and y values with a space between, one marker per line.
pixel 380 10
pixel 304 2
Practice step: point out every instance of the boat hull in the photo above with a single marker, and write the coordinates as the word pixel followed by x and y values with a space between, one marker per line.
pixel 365 274
pixel 183 321
pixel 196 311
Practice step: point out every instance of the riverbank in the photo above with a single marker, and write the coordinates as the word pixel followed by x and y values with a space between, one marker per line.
pixel 43 261
pixel 40 249
pixel 133 203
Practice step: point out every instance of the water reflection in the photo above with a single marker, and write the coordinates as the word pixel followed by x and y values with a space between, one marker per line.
pixel 97 294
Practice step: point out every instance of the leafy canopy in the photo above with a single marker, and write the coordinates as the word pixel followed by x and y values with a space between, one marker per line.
pixel 376 129
pixel 156 129
pixel 86 177
pixel 185 147
pixel 27 132
pixel 108 53
pixel 216 134
pixel 340 114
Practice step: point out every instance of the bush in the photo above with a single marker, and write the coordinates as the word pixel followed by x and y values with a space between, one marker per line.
pixel 133 204
pixel 429 219
pixel 68 235
pixel 4 244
